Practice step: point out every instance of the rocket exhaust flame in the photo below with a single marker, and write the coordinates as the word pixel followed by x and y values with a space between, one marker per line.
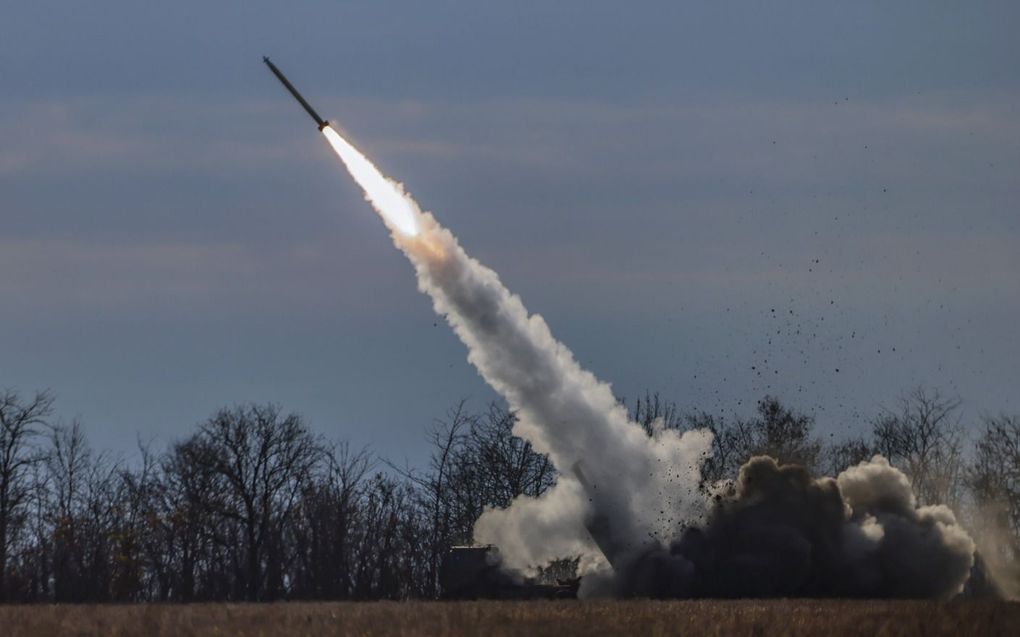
pixel 668 535
pixel 388 198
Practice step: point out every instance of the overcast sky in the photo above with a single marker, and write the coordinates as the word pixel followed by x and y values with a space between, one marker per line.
pixel 712 200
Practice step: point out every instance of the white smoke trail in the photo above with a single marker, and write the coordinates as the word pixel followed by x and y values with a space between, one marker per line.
pixel 778 532
pixel 646 485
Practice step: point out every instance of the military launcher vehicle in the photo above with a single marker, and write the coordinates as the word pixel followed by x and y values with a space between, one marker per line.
pixel 475 572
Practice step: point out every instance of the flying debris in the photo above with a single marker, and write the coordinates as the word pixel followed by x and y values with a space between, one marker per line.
pixel 293 91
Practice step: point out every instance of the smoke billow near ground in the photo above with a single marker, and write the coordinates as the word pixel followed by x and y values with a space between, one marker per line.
pixel 775 531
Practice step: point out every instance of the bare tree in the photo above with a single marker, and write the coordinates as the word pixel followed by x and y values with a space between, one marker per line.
pixel 446 488
pixel 841 455
pixel 731 444
pixel 136 564
pixel 510 467
pixel 994 475
pixel 651 411
pixel 923 438
pixel 994 481
pixel 444 493
pixel 325 532
pixel 785 434
pixel 391 560
pixel 180 526
pixel 260 459
pixel 20 423
pixel 777 431
pixel 83 513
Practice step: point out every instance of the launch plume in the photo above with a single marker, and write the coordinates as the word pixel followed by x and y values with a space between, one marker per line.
pixel 563 410
pixel 775 531
pixel 399 211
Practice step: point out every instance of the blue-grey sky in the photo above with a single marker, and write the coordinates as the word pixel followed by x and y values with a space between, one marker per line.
pixel 712 200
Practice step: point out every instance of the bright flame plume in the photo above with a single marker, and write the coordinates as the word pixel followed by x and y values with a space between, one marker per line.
pixel 386 196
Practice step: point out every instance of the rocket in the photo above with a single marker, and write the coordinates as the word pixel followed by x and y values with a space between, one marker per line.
pixel 397 209
pixel 321 123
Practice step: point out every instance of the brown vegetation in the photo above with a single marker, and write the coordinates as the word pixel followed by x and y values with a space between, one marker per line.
pixel 494 619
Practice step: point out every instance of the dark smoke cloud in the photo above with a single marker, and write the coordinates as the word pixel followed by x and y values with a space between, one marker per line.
pixel 779 532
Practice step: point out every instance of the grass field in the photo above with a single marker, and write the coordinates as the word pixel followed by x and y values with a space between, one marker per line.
pixel 495 619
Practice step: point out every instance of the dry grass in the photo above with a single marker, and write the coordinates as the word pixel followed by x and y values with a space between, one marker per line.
pixel 496 619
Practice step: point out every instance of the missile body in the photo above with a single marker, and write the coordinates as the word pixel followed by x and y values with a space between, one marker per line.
pixel 293 91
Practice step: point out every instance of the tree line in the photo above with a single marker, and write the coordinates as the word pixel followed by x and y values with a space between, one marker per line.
pixel 255 506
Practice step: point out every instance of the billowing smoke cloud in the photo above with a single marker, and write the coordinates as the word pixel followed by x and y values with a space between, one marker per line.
pixel 776 531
